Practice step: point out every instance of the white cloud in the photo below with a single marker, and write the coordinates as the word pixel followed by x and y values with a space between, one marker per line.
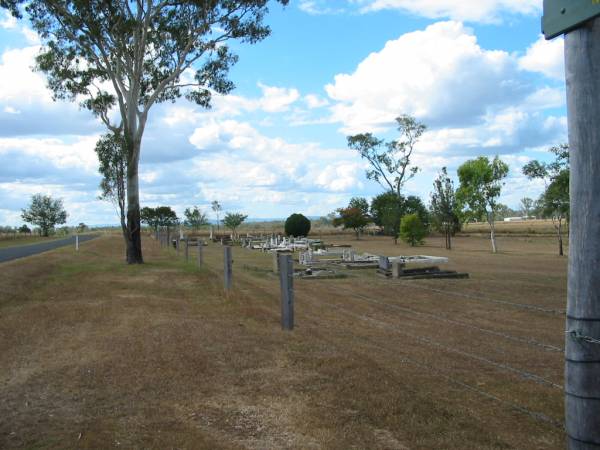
pixel 7 21
pixel 18 82
pixel 440 74
pixel 316 7
pixel 473 99
pixel 314 101
pixel 277 99
pixel 546 57
pixel 486 11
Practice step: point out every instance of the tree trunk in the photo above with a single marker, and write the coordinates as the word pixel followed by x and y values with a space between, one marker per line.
pixel 134 235
pixel 560 238
pixel 493 234
pixel 582 355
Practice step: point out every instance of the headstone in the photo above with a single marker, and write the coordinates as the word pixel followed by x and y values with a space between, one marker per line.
pixel 384 263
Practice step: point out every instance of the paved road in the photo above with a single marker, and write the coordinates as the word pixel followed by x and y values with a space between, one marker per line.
pixel 8 254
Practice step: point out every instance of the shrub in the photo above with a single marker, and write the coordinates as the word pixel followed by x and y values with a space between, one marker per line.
pixel 412 230
pixel 297 225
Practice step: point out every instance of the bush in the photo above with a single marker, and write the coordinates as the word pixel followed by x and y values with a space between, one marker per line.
pixel 297 225
pixel 412 230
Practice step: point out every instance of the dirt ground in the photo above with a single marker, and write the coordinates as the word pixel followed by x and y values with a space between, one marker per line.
pixel 97 354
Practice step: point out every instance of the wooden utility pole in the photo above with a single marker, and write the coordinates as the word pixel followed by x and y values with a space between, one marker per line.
pixel 582 354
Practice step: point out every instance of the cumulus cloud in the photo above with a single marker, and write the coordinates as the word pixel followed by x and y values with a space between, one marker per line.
pixel 487 11
pixel 545 57
pixel 440 74
pixel 473 99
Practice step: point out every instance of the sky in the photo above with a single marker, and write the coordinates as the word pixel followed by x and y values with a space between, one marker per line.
pixel 478 74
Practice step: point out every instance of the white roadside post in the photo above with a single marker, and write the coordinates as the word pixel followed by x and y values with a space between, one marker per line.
pixel 580 21
pixel 76 242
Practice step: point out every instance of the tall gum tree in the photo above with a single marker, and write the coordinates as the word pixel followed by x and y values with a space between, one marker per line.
pixel 390 162
pixel 119 58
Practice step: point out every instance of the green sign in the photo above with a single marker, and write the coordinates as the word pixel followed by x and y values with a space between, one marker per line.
pixel 562 16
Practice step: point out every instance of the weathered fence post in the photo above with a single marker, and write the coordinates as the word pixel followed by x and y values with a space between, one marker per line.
pixel 199 252
pixel 177 245
pixel 77 243
pixel 228 265
pixel 582 349
pixel 286 281
pixel 275 262
pixel 187 251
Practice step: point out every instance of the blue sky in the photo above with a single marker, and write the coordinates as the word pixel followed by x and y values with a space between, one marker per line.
pixel 477 73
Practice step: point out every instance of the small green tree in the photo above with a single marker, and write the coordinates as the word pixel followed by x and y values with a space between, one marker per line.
pixel 444 207
pixel 45 212
pixel 233 221
pixel 355 216
pixel 82 227
pixel 24 229
pixel 297 225
pixel 480 186
pixel 194 218
pixel 161 216
pixel 555 201
pixel 412 230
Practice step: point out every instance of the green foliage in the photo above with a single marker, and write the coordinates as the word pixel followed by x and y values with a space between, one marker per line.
pixel 127 56
pixel 480 186
pixel 387 209
pixel 444 207
pixel 112 155
pixel 161 216
pixel 44 212
pixel 412 230
pixel 24 229
pixel 554 202
pixel 390 161
pixel 195 218
pixel 82 227
pixel 297 225
pixel 355 216
pixel 233 221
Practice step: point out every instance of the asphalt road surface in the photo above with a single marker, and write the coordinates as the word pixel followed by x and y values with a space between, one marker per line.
pixel 8 254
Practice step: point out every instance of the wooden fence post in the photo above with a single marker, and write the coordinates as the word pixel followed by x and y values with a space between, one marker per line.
pixel 187 251
pixel 177 245
pixel 582 346
pixel 228 266
pixel 286 281
pixel 199 252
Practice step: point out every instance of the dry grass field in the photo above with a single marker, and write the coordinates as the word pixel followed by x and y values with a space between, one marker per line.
pixel 97 354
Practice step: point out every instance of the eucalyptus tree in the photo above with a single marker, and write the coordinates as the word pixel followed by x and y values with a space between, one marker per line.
pixel 555 201
pixel 119 58
pixel 390 162
pixel 481 182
